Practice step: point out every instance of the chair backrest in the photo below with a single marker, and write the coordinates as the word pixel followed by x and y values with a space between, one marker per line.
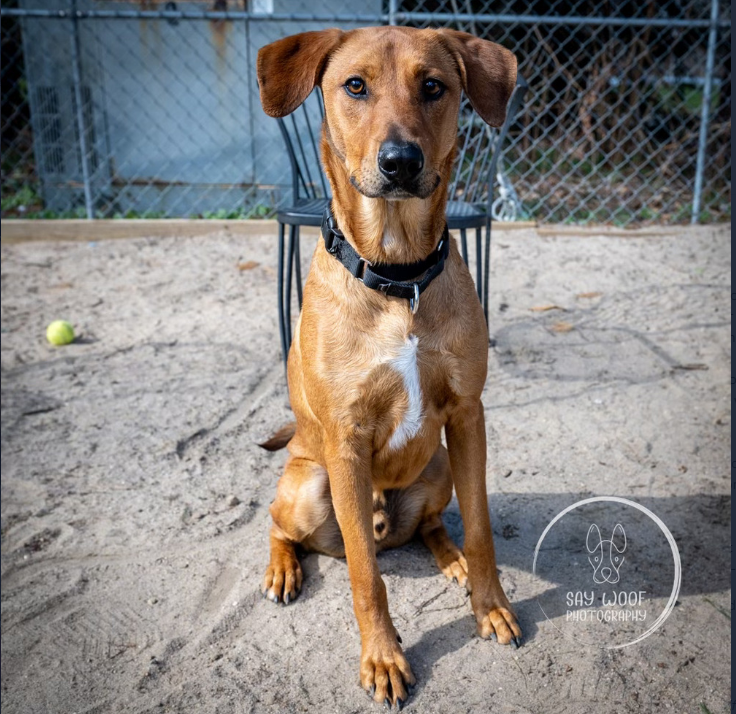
pixel 301 132
pixel 478 150
pixel 473 170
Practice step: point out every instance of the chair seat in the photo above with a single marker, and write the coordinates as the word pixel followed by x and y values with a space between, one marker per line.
pixel 465 215
pixel 305 212
pixel 308 212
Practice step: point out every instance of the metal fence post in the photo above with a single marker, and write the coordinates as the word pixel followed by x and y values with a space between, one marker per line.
pixel 78 99
pixel 392 4
pixel 705 111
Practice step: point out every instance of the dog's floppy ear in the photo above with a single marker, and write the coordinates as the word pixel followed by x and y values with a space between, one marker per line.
pixel 289 69
pixel 487 71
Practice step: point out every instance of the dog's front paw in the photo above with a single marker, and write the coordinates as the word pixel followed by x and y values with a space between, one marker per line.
pixel 283 579
pixel 385 673
pixel 497 618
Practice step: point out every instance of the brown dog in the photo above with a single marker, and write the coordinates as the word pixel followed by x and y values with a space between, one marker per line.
pixel 372 383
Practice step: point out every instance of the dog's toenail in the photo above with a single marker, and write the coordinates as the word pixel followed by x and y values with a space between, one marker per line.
pixel 398 638
pixel 387 703
pixel 454 580
pixel 399 703
pixel 516 641
pixel 287 599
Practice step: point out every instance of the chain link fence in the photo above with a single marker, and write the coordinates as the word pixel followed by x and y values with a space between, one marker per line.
pixel 119 109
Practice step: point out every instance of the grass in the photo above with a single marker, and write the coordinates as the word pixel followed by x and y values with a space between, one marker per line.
pixel 27 204
pixel 24 196
pixel 260 210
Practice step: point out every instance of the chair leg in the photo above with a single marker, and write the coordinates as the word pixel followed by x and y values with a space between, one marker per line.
pixel 280 280
pixel 479 264
pixel 289 273
pixel 298 263
pixel 487 268
pixel 464 244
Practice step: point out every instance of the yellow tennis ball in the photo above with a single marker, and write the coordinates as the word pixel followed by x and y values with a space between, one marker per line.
pixel 60 332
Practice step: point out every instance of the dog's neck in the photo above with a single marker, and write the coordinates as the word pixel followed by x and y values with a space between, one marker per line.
pixel 384 231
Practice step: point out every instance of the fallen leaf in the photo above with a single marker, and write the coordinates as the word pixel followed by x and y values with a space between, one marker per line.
pixel 594 294
pixel 562 327
pixel 545 308
pixel 248 265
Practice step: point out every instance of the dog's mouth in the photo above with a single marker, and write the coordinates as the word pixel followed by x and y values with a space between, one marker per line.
pixel 378 187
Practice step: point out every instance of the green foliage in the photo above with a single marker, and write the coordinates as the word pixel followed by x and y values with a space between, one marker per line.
pixel 24 196
pixel 687 98
pixel 140 215
pixel 260 210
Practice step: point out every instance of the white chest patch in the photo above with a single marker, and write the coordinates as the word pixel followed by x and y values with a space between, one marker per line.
pixel 405 363
pixel 388 240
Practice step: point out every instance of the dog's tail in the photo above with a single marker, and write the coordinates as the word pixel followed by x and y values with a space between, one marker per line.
pixel 281 438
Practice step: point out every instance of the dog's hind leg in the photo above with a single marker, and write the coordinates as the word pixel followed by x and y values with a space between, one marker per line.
pixel 302 514
pixel 449 557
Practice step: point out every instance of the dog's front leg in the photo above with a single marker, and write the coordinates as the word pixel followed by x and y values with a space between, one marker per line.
pixel 384 671
pixel 466 444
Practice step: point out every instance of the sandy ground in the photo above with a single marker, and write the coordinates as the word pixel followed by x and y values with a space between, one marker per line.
pixel 135 501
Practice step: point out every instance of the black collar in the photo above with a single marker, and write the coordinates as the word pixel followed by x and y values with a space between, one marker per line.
pixel 395 279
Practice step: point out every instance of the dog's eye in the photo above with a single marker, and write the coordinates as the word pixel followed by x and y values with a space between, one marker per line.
pixel 355 86
pixel 433 89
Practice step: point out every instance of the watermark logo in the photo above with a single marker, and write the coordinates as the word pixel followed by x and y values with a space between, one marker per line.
pixel 611 570
pixel 606 556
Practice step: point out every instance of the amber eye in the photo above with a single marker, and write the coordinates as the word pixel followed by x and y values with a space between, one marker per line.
pixel 433 89
pixel 355 86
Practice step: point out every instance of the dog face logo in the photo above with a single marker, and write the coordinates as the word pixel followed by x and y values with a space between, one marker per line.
pixel 606 556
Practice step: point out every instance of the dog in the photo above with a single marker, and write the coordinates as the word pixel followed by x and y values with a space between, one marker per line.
pixel 383 359
pixel 606 555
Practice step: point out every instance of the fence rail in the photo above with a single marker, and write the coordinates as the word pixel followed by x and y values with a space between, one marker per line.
pixel 109 110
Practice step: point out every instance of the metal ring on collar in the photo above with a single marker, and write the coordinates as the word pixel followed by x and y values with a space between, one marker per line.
pixel 414 301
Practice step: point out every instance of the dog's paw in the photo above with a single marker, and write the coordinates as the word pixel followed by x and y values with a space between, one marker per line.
pixel 283 579
pixel 455 568
pixel 385 673
pixel 500 623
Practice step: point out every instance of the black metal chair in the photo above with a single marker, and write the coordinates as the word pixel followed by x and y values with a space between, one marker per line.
pixel 469 204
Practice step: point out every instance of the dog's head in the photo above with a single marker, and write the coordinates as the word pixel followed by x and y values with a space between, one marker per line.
pixel 606 556
pixel 391 95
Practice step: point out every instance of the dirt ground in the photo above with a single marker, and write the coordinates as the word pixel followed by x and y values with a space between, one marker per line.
pixel 135 501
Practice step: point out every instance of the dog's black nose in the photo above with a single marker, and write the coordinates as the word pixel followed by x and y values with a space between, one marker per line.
pixel 400 161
